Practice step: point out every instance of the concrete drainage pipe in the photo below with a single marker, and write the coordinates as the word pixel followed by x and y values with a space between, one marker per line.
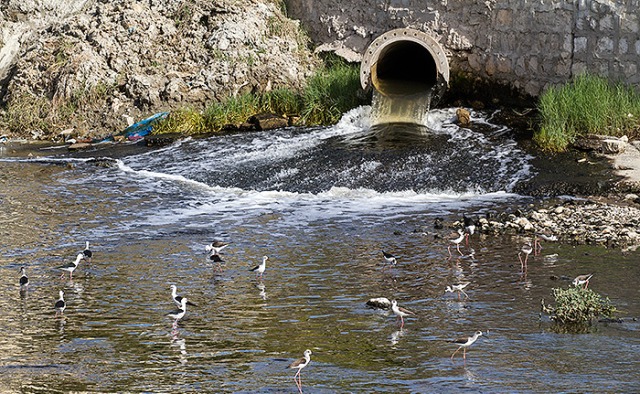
pixel 404 62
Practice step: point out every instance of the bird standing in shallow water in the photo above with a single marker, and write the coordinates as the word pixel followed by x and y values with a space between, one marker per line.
pixel 456 240
pixel 218 260
pixel 469 227
pixel 582 280
pixel 24 280
pixel 87 253
pixel 216 246
pixel 70 267
pixel 537 247
pixel 178 299
pixel 388 259
pixel 260 268
pixel 526 249
pixel 458 288
pixel 60 305
pixel 464 343
pixel 178 313
pixel 400 312
pixel 299 364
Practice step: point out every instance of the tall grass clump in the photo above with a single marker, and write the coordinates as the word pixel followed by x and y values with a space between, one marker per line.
pixel 333 90
pixel 587 105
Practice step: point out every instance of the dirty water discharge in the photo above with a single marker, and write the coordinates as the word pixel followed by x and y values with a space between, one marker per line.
pixel 321 203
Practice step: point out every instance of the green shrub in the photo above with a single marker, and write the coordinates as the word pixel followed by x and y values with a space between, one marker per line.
pixel 576 305
pixel 586 105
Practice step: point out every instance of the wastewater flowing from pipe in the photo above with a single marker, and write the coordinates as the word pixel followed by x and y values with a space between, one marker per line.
pixel 401 108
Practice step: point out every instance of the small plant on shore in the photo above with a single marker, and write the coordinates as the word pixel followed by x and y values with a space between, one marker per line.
pixel 576 307
pixel 586 105
pixel 184 121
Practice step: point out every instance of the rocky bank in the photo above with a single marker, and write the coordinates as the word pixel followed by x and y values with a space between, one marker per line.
pixel 96 65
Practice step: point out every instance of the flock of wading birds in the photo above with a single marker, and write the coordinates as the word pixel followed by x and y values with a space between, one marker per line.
pixel 213 251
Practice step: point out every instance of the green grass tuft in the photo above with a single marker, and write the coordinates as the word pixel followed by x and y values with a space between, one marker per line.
pixel 586 105
pixel 576 306
pixel 333 90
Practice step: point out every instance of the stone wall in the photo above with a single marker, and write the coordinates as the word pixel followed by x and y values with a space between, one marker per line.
pixel 524 44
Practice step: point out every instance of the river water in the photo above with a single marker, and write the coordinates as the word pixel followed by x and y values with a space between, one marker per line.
pixel 322 204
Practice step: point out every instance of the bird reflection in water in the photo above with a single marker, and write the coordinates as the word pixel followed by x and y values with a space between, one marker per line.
pixel 181 345
pixel 395 337
pixel 263 290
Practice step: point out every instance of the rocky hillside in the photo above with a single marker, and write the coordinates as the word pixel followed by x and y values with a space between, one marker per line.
pixel 95 65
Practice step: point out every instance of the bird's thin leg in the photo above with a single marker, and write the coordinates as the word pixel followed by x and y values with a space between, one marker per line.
pixel 521 262
pixel 449 249
pixel 295 379
pixel 464 353
pixel 300 381
pixel 465 294
pixel 458 247
pixel 454 353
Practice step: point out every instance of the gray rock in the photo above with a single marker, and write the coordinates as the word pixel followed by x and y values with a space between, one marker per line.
pixel 612 146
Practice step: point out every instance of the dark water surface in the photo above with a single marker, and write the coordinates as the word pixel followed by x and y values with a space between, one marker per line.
pixel 321 204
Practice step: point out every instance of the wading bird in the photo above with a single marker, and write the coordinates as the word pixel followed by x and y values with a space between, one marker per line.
pixel 456 239
pixel 60 304
pixel 299 364
pixel 458 288
pixel 582 280
pixel 464 343
pixel 70 267
pixel 259 269
pixel 526 249
pixel 400 312
pixel 388 259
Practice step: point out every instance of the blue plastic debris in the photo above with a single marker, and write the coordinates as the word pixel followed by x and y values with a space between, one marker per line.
pixel 143 127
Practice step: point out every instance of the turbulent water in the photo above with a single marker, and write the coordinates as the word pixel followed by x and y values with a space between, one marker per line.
pixel 321 203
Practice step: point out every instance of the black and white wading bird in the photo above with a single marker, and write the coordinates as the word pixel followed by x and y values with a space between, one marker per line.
pixel 218 260
pixel 469 227
pixel 400 312
pixel 179 313
pixel 24 280
pixel 459 288
pixel 526 249
pixel 299 364
pixel 178 299
pixel 456 239
pixel 60 304
pixel 216 246
pixel 389 259
pixel 70 267
pixel 582 280
pixel 464 343
pixel 260 268
pixel 87 253
pixel 537 246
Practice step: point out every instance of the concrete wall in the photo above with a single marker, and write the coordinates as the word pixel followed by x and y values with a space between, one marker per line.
pixel 525 44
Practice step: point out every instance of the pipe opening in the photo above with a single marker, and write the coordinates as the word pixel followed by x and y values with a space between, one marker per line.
pixel 408 71
pixel 404 68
